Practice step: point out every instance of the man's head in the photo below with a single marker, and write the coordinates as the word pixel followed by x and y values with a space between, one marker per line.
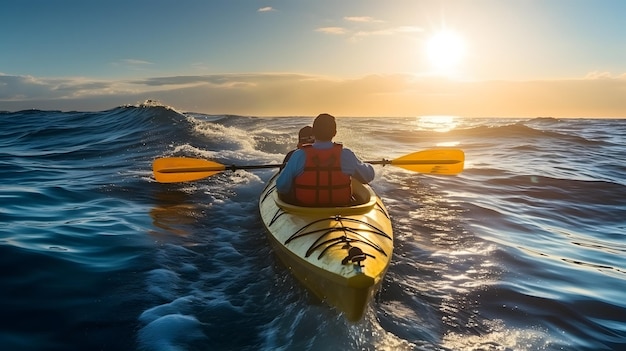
pixel 324 127
pixel 305 136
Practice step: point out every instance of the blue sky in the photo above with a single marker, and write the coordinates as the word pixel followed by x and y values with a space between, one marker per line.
pixel 565 58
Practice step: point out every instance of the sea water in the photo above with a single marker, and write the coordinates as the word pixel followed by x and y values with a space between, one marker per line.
pixel 525 250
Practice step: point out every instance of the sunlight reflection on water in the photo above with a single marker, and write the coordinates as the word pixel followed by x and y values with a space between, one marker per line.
pixel 436 123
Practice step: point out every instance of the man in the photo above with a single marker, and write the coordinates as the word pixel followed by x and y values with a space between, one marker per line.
pixel 320 174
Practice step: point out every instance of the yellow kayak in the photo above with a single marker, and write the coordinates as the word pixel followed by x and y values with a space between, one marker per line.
pixel 341 254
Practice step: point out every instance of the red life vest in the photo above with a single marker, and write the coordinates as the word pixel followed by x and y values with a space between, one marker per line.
pixel 322 183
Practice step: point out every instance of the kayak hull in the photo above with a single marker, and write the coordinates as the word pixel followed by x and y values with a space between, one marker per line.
pixel 341 254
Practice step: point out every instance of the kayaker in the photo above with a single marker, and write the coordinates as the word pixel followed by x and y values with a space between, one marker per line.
pixel 305 136
pixel 320 174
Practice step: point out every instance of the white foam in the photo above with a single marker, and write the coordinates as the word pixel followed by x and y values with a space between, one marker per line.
pixel 187 149
pixel 229 137
pixel 502 337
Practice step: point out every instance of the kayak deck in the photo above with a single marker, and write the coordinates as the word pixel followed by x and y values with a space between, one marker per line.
pixel 341 254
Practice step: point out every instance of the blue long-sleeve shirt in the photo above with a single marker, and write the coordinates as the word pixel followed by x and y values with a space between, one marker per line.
pixel 350 164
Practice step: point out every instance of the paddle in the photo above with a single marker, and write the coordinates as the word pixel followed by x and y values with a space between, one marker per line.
pixel 184 169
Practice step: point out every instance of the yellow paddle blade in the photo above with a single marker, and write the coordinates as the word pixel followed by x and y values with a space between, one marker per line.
pixel 183 169
pixel 434 161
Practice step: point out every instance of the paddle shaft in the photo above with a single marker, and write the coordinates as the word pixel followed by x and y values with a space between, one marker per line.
pixel 413 162
pixel 213 169
pixel 235 167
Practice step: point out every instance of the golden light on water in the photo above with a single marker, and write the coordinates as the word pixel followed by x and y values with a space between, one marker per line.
pixel 448 144
pixel 437 123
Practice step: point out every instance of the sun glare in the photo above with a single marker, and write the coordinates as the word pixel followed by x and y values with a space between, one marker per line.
pixel 436 123
pixel 445 50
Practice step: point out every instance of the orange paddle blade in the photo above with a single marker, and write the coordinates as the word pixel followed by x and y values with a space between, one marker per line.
pixel 184 169
pixel 433 161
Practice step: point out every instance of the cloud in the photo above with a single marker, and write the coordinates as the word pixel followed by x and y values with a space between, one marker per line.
pixel 22 87
pixel 266 9
pixel 375 95
pixel 28 88
pixel 387 31
pixel 361 19
pixel 604 75
pixel 331 30
pixel 135 62
pixel 361 33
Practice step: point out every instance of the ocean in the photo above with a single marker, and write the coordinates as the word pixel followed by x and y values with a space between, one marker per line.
pixel 524 250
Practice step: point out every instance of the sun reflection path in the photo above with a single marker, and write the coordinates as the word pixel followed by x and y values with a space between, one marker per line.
pixel 436 123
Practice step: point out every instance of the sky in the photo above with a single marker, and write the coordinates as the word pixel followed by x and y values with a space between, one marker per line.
pixel 397 58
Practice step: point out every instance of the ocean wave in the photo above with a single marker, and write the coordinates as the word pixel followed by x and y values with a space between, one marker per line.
pixel 523 250
pixel 521 130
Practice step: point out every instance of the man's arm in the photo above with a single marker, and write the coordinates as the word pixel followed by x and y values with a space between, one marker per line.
pixel 350 164
pixel 294 167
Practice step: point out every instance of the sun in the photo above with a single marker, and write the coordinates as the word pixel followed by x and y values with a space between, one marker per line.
pixel 445 50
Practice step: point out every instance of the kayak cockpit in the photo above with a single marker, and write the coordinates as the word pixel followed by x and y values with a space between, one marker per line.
pixel 364 202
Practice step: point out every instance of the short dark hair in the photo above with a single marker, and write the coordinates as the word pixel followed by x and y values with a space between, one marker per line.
pixel 305 134
pixel 324 127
